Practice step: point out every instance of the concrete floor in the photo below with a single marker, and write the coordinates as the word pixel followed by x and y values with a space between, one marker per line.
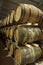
pixel 3 59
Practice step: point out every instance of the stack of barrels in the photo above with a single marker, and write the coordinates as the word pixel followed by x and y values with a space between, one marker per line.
pixel 24 39
pixel 24 13
pixel 8 20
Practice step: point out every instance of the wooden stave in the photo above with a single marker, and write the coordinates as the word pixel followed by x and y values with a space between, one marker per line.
pixel 35 18
pixel 37 34
pixel 23 54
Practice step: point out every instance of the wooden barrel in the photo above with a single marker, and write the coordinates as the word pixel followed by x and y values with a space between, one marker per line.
pixel 12 16
pixel 4 21
pixel 7 32
pixel 23 34
pixel 8 19
pixel 15 27
pixel 11 49
pixel 27 13
pixel 22 13
pixel 11 33
pixel 27 54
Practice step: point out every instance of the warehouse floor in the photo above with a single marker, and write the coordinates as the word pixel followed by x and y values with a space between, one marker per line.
pixel 3 59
